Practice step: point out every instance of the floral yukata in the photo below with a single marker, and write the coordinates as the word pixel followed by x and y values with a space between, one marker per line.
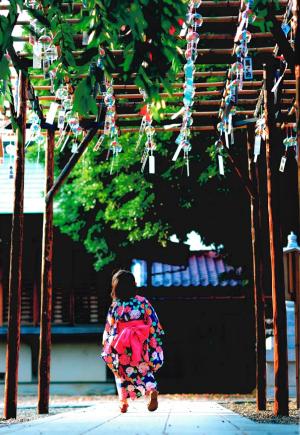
pixel 132 346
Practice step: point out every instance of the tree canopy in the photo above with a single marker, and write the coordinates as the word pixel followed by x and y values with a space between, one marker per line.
pixel 109 210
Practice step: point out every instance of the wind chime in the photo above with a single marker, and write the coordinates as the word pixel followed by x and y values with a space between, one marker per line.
pixel 35 133
pixel 190 29
pixel 43 50
pixel 11 151
pixel 260 134
pixel 67 120
pixel 290 141
pixel 110 128
pixel 239 71
pixel 147 128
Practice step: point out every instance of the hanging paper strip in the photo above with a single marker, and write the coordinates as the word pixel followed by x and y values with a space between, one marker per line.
pixel 193 22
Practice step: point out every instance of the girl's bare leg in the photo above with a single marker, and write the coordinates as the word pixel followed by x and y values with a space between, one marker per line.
pixel 122 399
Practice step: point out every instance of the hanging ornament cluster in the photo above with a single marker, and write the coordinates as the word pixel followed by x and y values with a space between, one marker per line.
pixel 43 50
pixel 67 120
pixel 11 149
pixel 239 71
pixel 219 147
pixel 147 129
pixel 110 128
pixel 290 141
pixel 288 24
pixel 35 133
pixel 193 23
pixel 260 134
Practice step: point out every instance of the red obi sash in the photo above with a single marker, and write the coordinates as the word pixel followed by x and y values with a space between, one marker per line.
pixel 132 334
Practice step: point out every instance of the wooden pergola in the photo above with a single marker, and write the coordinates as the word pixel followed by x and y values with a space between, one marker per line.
pixel 268 50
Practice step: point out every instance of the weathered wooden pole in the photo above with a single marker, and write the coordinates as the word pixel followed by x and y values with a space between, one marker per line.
pixel 1 290
pixel 296 23
pixel 257 260
pixel 273 155
pixel 46 285
pixel 16 254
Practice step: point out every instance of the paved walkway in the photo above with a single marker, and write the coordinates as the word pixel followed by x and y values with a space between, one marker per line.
pixel 184 417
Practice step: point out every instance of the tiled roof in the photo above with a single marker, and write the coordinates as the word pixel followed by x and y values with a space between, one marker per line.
pixel 204 270
pixel 33 187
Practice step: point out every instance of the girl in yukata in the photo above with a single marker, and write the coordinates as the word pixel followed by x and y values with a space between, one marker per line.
pixel 132 344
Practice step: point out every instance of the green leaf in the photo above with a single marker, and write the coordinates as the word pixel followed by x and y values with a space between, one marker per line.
pixel 4 68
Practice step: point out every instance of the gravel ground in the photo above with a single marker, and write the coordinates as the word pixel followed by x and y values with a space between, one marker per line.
pixel 248 409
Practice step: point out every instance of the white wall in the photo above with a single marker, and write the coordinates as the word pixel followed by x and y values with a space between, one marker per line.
pixel 290 313
pixel 25 366
pixel 77 362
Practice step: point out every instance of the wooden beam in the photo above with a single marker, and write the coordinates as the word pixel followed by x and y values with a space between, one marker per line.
pixel 16 258
pixel 46 285
pixel 202 52
pixel 207 20
pixel 273 156
pixel 198 74
pixel 257 279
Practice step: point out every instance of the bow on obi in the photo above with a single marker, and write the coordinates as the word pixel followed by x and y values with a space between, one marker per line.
pixel 132 334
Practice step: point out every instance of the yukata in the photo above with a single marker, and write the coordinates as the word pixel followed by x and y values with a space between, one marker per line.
pixel 132 346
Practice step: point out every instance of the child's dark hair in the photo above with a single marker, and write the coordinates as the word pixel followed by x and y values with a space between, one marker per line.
pixel 123 285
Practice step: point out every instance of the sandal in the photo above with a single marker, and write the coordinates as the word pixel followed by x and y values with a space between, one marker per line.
pixel 124 407
pixel 153 402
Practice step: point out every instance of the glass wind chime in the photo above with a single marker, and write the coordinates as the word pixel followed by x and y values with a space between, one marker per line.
pixel 290 141
pixel 35 134
pixel 67 120
pixel 43 51
pixel 239 71
pixel 147 128
pixel 260 134
pixel 11 150
pixel 190 30
pixel 110 128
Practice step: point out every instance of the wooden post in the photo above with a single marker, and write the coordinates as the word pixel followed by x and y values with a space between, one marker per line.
pixel 296 23
pixel 257 259
pixel 273 155
pixel 16 253
pixel 1 289
pixel 46 286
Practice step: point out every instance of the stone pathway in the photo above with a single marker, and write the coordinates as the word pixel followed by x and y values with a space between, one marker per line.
pixel 174 417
